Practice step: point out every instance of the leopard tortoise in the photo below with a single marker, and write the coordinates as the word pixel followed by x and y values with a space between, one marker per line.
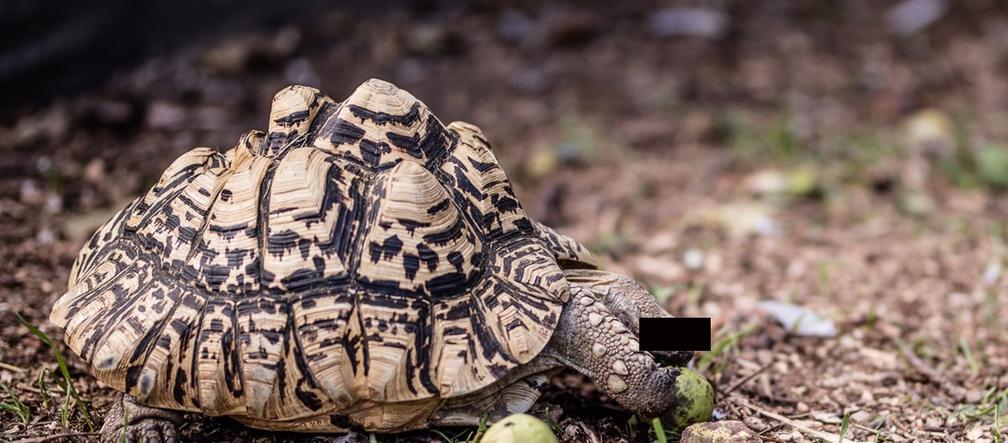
pixel 358 266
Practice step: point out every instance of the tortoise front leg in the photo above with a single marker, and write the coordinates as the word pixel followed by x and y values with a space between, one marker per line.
pixel 131 422
pixel 596 342
pixel 628 301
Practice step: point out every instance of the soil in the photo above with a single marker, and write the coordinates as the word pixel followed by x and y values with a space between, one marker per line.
pixel 783 157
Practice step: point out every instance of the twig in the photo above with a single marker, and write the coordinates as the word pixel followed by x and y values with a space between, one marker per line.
pixel 27 388
pixel 11 367
pixel 57 437
pixel 853 425
pixel 744 380
pixel 831 438
pixel 769 397
pixel 955 391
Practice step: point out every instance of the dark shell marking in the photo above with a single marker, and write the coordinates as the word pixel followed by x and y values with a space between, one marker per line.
pixel 357 258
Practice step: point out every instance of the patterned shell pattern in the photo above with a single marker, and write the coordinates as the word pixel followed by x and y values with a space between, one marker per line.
pixel 356 255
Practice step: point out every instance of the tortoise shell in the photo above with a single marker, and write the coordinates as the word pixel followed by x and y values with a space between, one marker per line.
pixel 357 255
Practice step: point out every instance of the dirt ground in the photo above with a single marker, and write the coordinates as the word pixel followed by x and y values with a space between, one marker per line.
pixel 813 153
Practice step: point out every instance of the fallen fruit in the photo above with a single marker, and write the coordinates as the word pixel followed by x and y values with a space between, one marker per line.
pixel 695 403
pixel 519 428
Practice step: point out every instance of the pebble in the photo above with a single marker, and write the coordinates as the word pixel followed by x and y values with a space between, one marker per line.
pixel 515 27
pixel 690 22
pixel 693 259
pixel 728 431
pixel 911 16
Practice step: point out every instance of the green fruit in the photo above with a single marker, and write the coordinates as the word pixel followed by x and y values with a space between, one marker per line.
pixel 519 428
pixel 694 400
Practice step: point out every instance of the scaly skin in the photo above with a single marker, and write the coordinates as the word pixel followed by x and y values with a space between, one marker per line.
pixel 593 340
pixel 628 301
pixel 132 422
pixel 598 336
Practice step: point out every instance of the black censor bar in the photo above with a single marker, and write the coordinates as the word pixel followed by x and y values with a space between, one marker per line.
pixel 675 334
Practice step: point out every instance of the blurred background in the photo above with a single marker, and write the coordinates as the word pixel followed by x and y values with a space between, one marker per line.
pixel 845 159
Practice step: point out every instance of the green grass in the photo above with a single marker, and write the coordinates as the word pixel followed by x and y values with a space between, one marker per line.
pixel 973 165
pixel 997 423
pixel 663 293
pixel 126 420
pixel 860 152
pixel 659 430
pixel 15 405
pixel 480 429
pixel 444 436
pixel 43 387
pixel 67 381
pixel 844 426
pixel 968 353
pixel 752 144
pixel 471 436
pixel 725 344
pixel 694 293
pixel 994 403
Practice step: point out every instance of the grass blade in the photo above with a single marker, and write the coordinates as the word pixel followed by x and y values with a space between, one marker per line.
pixel 444 436
pixel 65 372
pixel 844 424
pixel 43 387
pixel 17 407
pixel 480 429
pixel 659 430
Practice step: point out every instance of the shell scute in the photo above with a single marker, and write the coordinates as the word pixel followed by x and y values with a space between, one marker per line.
pixel 358 260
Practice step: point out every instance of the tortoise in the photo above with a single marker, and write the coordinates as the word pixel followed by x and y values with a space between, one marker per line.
pixel 359 266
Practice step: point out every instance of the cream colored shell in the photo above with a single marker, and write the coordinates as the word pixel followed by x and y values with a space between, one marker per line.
pixel 357 264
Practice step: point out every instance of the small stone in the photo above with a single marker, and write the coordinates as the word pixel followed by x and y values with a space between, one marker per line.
pixel 911 16
pixel 542 161
pixel 53 203
pixel 691 22
pixel 860 417
pixel 515 27
pixel 754 422
pixel 693 259
pixel 781 367
pixel 974 433
pixel 992 272
pixel 933 422
pixel 30 192
pixel 163 115
pixel 867 397
pixel 94 172
pixel 974 396
pixel 728 431
pixel 930 130
pixel 45 236
pixel 743 219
